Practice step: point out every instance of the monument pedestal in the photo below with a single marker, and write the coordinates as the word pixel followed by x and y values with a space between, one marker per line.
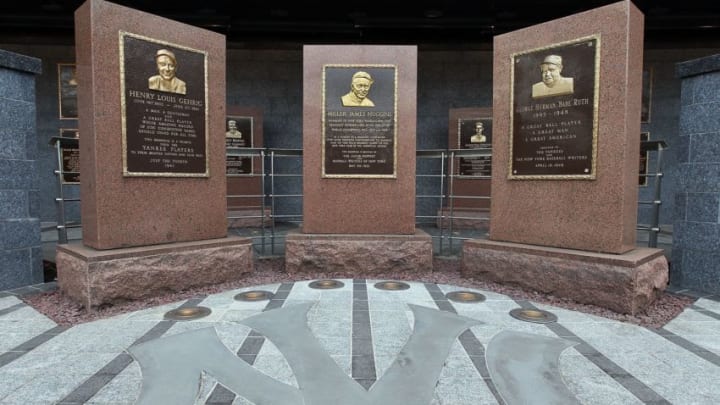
pixel 625 283
pixel 95 277
pixel 358 253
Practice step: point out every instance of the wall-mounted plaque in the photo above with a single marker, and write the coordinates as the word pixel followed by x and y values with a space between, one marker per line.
pixel 164 108
pixel 554 111
pixel 475 133
pixel 239 134
pixel 70 159
pixel 647 79
pixel 644 159
pixel 67 91
pixel 359 121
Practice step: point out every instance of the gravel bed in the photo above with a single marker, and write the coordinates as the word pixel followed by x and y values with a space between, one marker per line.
pixel 63 311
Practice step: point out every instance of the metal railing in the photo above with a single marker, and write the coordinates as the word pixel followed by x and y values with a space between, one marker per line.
pixel 654 228
pixel 449 236
pixel 443 226
pixel 273 227
pixel 63 143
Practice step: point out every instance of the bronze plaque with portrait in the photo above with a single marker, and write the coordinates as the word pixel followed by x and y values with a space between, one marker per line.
pixel 475 133
pixel 238 134
pixel 554 111
pixel 359 128
pixel 70 159
pixel 164 108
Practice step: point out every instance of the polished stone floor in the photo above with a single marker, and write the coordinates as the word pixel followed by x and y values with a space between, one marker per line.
pixel 358 344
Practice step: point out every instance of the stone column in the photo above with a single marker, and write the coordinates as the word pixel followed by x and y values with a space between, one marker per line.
pixel 20 245
pixel 696 226
pixel 552 231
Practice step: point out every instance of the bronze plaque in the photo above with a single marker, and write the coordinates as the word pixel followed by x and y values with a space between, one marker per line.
pixel 554 111
pixel 70 159
pixel 164 108
pixel 238 134
pixel 359 128
pixel 475 133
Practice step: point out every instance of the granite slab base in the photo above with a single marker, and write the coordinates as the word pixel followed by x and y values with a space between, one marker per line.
pixel 96 277
pixel 248 217
pixel 358 253
pixel 465 218
pixel 625 283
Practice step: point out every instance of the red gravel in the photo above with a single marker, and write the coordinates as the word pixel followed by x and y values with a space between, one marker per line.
pixel 63 311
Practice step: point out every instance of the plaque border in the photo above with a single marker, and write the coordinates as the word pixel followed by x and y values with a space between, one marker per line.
pixel 123 111
pixel 459 145
pixel 62 151
pixel 395 118
pixel 643 181
pixel 596 98
pixel 252 158
pixel 61 115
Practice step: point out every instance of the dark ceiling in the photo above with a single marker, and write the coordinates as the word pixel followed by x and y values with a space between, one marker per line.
pixel 450 23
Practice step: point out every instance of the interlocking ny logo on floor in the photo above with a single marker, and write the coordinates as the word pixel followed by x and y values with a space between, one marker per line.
pixel 172 366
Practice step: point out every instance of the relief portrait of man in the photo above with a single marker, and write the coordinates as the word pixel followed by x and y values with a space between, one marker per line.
pixel 478 137
pixel 553 83
pixel 232 131
pixel 166 80
pixel 359 89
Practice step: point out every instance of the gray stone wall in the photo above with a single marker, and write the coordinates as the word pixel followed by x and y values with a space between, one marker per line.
pixel 663 125
pixel 446 79
pixel 696 243
pixel 49 125
pixel 20 246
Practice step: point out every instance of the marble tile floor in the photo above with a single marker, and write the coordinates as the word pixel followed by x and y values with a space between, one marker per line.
pixel 410 346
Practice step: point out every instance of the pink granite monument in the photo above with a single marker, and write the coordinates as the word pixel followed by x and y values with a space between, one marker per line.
pixel 566 116
pixel 151 101
pixel 359 122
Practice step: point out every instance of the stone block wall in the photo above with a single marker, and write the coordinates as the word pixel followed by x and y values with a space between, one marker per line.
pixel 20 245
pixel 696 239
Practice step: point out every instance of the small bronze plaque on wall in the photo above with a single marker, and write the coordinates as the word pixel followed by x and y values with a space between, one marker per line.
pixel 70 159
pixel 164 108
pixel 359 121
pixel 554 111
pixel 475 133
pixel 238 134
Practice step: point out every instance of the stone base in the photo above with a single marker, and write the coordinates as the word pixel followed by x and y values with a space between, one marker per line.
pixel 465 218
pixel 625 283
pixel 252 217
pixel 360 254
pixel 95 277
